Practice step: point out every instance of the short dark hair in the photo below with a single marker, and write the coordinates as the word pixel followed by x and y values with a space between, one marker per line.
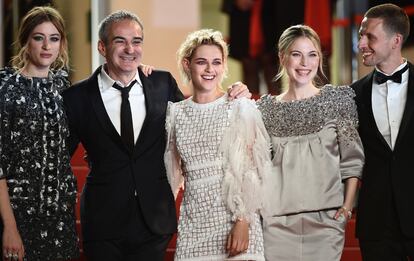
pixel 115 17
pixel 395 19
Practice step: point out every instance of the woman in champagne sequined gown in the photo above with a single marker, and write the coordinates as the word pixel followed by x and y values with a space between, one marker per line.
pixel 317 157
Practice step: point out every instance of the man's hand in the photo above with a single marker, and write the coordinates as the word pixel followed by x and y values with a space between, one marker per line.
pixel 238 239
pixel 238 90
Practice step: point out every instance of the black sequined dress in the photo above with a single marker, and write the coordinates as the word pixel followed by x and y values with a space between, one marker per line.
pixel 35 161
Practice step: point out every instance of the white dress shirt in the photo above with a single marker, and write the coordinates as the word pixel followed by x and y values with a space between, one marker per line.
pixel 112 100
pixel 388 103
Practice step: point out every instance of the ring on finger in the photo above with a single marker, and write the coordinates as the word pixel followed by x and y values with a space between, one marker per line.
pixel 7 255
pixel 15 256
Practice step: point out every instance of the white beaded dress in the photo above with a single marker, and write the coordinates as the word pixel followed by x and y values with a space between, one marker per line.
pixel 220 150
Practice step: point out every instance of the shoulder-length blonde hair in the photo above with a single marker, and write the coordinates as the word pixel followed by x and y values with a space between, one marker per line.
pixel 288 37
pixel 33 18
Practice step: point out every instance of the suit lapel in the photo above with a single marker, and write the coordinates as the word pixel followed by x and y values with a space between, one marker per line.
pixel 409 107
pixel 147 88
pixel 100 111
pixel 148 92
pixel 367 108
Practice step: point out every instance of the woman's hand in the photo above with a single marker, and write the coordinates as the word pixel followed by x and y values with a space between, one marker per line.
pixel 12 242
pixel 343 211
pixel 13 248
pixel 146 69
pixel 238 239
pixel 238 90
pixel 351 186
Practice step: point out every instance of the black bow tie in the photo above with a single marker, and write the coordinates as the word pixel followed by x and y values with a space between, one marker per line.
pixel 380 78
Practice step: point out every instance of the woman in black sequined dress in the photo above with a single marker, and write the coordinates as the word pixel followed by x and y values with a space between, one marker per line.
pixel 37 186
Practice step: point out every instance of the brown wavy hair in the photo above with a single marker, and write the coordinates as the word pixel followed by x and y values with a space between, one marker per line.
pixel 33 18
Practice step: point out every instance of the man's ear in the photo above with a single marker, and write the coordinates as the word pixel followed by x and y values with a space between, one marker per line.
pixel 102 48
pixel 398 41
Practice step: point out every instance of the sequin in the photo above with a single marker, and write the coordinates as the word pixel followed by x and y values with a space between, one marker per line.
pixel 35 161
pixel 303 117
pixel 315 146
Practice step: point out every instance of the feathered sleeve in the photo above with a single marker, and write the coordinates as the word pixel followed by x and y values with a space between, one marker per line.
pixel 350 145
pixel 171 157
pixel 246 150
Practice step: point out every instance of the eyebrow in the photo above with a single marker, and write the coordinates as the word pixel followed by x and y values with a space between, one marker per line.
pixel 297 51
pixel 202 58
pixel 123 38
pixel 56 34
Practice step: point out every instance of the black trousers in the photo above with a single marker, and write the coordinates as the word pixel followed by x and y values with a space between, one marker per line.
pixel 139 243
pixel 387 250
pixel 393 246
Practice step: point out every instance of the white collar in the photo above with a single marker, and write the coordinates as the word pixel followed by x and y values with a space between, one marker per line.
pixel 396 69
pixel 107 81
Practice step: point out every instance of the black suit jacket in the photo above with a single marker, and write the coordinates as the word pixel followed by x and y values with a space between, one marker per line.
pixel 388 175
pixel 108 197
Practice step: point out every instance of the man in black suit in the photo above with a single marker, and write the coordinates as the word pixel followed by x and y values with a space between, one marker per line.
pixel 385 217
pixel 118 114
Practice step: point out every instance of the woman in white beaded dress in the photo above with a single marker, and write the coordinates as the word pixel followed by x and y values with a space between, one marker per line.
pixel 220 150
pixel 317 156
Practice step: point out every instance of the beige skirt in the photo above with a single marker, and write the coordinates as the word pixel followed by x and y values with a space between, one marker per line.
pixel 310 236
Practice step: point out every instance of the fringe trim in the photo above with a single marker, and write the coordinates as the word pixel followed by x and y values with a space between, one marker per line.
pixel 246 150
pixel 172 159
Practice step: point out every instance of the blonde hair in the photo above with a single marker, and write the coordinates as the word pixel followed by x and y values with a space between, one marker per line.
pixel 195 40
pixel 288 37
pixel 33 18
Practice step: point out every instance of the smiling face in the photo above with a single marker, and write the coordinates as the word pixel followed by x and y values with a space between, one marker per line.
pixel 43 47
pixel 301 62
pixel 123 51
pixel 375 44
pixel 206 68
